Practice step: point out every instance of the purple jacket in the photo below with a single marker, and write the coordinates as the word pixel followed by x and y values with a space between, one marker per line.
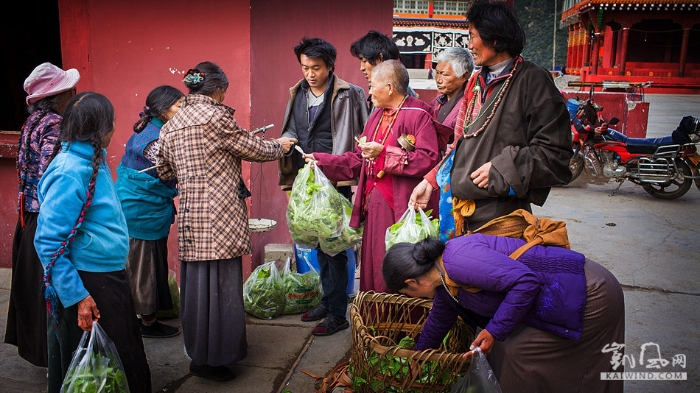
pixel 545 288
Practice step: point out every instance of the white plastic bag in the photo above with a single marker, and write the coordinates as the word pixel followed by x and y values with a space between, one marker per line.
pixel 96 366
pixel 412 227
pixel 479 378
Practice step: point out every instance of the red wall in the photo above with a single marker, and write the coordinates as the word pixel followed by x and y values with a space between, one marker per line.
pixel 124 49
pixel 276 27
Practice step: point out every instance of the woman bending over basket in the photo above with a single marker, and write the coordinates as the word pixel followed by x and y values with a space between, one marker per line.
pixel 545 317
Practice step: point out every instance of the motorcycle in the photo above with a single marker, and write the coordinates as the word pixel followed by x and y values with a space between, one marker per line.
pixel 664 167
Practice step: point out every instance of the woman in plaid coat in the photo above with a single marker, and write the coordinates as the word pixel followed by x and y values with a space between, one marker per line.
pixel 202 146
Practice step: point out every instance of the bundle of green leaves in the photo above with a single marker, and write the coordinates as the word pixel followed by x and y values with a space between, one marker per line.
pixel 302 291
pixel 101 376
pixel 315 207
pixel 412 228
pixel 348 238
pixel 263 292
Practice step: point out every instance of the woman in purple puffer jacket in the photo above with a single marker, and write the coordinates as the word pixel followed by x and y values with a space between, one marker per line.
pixel 545 318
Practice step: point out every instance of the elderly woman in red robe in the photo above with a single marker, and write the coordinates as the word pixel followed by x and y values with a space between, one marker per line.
pixel 398 146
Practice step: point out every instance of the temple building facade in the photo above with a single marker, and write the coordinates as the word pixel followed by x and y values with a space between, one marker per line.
pixel 652 43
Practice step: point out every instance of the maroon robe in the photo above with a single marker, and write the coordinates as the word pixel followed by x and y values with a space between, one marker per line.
pixel 415 119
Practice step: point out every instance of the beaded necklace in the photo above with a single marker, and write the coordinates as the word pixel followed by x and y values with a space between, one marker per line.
pixel 370 163
pixel 496 102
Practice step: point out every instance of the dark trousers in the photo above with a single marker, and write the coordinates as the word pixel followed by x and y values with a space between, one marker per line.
pixel 334 281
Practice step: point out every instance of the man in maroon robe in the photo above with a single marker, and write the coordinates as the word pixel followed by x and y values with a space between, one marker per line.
pixel 387 171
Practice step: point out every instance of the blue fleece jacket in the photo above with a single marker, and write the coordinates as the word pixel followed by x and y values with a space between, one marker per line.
pixel 101 244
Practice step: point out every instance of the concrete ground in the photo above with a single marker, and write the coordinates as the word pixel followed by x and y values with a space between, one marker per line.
pixel 651 245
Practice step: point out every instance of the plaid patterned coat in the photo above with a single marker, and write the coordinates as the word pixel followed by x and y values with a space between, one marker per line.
pixel 202 146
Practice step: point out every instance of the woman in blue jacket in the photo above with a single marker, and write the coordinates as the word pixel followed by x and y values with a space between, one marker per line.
pixel 545 318
pixel 83 242
pixel 148 205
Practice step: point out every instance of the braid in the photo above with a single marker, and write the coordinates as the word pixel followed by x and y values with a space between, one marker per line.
pixel 50 294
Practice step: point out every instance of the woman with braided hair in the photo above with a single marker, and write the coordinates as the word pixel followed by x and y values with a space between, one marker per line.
pixel 48 90
pixel 83 242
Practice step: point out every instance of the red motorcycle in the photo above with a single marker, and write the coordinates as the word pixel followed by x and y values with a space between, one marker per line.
pixel 664 167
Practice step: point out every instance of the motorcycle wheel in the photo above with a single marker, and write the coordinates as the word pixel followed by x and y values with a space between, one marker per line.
pixel 576 166
pixel 674 188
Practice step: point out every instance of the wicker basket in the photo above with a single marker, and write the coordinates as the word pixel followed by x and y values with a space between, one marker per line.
pixel 379 322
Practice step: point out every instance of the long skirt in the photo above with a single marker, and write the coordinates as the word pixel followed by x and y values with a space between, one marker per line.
pixel 531 360
pixel 110 291
pixel 380 216
pixel 26 313
pixel 212 314
pixel 147 270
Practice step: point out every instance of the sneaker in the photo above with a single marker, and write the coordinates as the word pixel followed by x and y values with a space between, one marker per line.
pixel 214 373
pixel 317 313
pixel 330 325
pixel 159 330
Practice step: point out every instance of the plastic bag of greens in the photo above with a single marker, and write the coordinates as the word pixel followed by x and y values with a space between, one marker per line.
pixel 302 291
pixel 348 237
pixel 412 227
pixel 96 366
pixel 480 377
pixel 263 292
pixel 315 207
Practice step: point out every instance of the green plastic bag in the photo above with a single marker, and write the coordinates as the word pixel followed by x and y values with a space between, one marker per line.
pixel 96 366
pixel 348 237
pixel 302 291
pixel 263 292
pixel 412 227
pixel 315 210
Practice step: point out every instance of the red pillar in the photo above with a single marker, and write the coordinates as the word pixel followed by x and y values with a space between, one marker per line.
pixel 623 54
pixel 595 52
pixel 618 49
pixel 684 52
pixel 586 52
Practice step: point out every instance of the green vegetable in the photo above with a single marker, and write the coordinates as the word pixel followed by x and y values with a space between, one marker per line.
pixel 315 209
pixel 302 291
pixel 263 292
pixel 99 376
pixel 348 238
pixel 411 229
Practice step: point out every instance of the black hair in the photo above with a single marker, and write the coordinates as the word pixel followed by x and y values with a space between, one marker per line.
pixel 316 48
pixel 89 117
pixel 212 79
pixel 158 101
pixel 394 72
pixel 404 261
pixel 375 47
pixel 497 25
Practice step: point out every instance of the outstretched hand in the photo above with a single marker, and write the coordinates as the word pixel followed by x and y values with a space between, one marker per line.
pixel 287 143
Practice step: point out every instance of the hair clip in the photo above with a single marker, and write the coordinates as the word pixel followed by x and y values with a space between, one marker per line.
pixel 193 76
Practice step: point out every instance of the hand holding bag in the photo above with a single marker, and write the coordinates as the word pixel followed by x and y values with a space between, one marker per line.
pixel 479 378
